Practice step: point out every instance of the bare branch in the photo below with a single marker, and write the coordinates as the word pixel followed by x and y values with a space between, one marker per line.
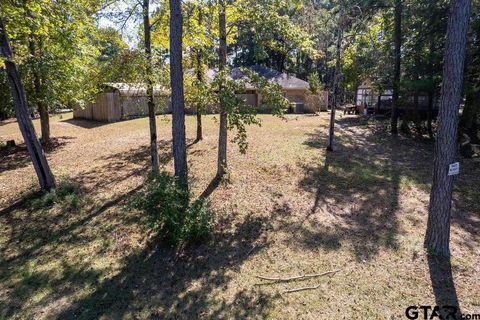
pixel 134 8
pixel 306 276
pixel 301 289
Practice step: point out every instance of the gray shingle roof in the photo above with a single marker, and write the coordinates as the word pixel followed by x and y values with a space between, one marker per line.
pixel 283 79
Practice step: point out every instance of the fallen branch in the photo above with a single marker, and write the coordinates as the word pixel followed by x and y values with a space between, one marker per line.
pixel 306 276
pixel 301 289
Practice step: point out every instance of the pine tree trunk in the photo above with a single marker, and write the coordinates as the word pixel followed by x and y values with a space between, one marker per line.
pixel 176 82
pixel 222 137
pixel 149 82
pixel 40 163
pixel 336 81
pixel 438 228
pixel 396 75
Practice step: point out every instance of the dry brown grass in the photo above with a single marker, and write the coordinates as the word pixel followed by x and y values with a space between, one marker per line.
pixel 289 209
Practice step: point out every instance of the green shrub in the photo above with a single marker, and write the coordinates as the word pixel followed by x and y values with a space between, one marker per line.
pixel 165 202
pixel 68 195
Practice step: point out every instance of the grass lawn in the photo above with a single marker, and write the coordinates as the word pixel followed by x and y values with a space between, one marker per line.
pixel 289 209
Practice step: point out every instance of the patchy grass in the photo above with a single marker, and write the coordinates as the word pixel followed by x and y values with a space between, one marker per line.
pixel 289 208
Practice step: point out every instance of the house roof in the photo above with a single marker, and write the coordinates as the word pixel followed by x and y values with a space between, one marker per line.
pixel 285 80
pixel 134 89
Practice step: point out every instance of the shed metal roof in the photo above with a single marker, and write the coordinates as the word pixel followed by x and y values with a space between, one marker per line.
pixel 135 89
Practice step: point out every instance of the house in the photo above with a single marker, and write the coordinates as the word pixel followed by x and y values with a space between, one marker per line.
pixel 120 101
pixel 296 90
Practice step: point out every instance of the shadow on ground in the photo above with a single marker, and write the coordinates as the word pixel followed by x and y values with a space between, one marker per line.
pixel 86 124
pixel 43 262
pixel 168 285
pixel 357 188
pixel 50 254
pixel 443 286
pixel 17 157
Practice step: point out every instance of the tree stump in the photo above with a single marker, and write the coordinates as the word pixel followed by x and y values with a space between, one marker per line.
pixel 11 144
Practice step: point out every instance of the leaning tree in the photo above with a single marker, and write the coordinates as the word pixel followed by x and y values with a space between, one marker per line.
pixel 40 163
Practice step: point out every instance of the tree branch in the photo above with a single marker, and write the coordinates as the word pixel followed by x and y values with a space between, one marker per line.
pixel 302 277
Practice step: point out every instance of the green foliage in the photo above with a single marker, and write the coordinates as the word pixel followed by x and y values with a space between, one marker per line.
pixel 315 86
pixel 165 201
pixel 68 196
pixel 239 113
pixel 273 96
pixel 198 94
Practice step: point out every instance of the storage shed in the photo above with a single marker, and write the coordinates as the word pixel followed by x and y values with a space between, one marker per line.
pixel 120 101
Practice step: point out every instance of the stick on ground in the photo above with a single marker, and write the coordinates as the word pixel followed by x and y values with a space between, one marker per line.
pixel 306 276
pixel 301 289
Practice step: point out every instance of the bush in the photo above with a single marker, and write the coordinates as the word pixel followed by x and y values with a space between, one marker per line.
pixel 165 202
pixel 67 194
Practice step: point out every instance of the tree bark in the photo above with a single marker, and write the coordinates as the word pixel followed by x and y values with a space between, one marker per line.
pixel 40 163
pixel 222 64
pixel 199 126
pixel 397 70
pixel 149 83
pixel 176 82
pixel 37 84
pixel 437 236
pixel 336 81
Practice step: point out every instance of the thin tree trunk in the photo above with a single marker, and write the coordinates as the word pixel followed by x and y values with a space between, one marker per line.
pixel 222 63
pixel 37 83
pixel 336 81
pixel 199 127
pixel 40 163
pixel 199 79
pixel 437 236
pixel 149 82
pixel 396 75
pixel 176 82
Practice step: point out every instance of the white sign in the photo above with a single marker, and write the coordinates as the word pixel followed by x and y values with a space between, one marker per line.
pixel 454 169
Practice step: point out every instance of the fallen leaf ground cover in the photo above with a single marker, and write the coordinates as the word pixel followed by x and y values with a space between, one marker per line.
pixel 288 209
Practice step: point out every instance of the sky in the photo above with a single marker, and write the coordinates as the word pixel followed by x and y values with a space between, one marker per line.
pixel 117 15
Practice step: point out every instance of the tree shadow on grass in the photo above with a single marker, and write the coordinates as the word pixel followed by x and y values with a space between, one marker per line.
pixel 86 124
pixel 357 186
pixel 356 194
pixel 119 167
pixel 47 258
pixel 161 284
pixel 37 236
pixel 17 157
pixel 442 284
